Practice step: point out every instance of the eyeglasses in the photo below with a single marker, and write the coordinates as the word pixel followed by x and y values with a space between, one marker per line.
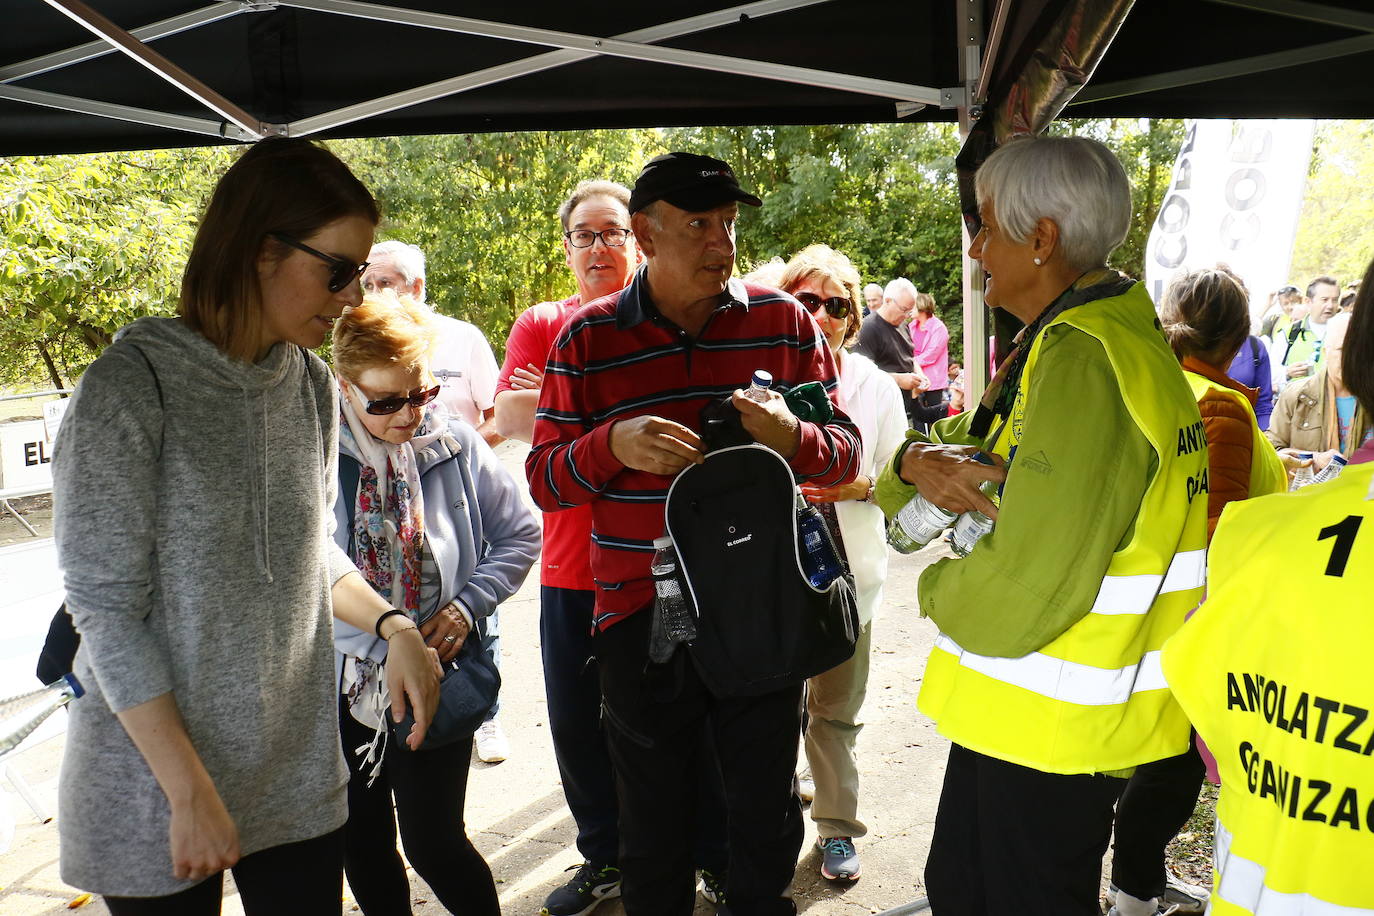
pixel 836 307
pixel 341 270
pixel 586 238
pixel 417 399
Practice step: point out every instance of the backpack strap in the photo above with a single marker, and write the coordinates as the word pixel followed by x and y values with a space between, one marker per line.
pixel 1255 350
pixel 349 473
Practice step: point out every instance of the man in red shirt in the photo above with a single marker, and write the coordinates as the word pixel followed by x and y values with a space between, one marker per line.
pixel 618 417
pixel 602 255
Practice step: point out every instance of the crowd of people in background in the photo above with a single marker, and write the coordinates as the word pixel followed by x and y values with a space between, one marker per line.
pixel 198 515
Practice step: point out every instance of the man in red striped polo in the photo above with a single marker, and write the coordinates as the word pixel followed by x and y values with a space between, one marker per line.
pixel 618 417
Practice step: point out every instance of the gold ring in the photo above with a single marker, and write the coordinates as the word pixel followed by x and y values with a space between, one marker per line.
pixel 450 638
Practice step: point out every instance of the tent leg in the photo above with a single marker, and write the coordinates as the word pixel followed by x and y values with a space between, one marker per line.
pixel 6 507
pixel 976 351
pixel 26 793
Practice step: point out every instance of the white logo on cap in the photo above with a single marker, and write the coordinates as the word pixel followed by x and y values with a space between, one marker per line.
pixel 714 172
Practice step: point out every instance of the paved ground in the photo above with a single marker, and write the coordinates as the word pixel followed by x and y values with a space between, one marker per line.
pixel 515 809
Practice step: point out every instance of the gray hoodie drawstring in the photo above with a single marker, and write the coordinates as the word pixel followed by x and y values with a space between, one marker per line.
pixel 258 483
pixel 266 494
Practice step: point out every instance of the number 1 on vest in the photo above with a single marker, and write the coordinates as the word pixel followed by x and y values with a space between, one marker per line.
pixel 1344 532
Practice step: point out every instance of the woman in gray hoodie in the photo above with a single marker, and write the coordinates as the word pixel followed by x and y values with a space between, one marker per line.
pixel 193 479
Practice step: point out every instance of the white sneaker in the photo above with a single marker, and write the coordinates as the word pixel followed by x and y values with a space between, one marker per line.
pixel 492 746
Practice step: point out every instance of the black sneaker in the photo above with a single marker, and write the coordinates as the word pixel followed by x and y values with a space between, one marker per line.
pixel 592 884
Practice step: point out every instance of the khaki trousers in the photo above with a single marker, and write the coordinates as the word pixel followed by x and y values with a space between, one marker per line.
pixel 833 700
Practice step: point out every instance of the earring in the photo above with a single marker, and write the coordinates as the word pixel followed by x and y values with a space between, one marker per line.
pixel 1036 261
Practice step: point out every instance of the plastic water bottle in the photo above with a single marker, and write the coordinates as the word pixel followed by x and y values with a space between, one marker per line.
pixel 917 524
pixel 1332 470
pixel 972 526
pixel 1303 476
pixel 758 386
pixel 968 531
pixel 820 559
pixel 672 623
pixel 47 701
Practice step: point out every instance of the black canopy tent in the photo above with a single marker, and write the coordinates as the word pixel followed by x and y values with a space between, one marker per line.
pixel 334 68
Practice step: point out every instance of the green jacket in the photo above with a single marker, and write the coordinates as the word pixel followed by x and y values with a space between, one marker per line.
pixel 1072 501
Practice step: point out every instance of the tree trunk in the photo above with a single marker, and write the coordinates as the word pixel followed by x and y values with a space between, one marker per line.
pixel 53 374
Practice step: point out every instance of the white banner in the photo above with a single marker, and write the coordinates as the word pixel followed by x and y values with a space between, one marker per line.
pixel 1234 199
pixel 25 455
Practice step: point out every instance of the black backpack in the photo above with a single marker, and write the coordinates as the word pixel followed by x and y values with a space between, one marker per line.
pixel 761 626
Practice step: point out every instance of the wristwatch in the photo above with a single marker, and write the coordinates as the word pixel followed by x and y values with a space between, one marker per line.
pixel 868 497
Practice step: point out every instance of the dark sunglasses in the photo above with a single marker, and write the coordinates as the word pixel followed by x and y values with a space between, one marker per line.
pixel 341 270
pixel 419 399
pixel 836 307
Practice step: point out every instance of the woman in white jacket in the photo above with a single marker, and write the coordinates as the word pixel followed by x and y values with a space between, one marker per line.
pixel 826 283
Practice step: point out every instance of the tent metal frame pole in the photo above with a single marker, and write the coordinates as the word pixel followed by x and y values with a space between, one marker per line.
pixel 994 44
pixel 124 113
pixel 969 16
pixel 1312 12
pixel 96 23
pixel 537 64
pixel 617 48
pixel 1243 67
pixel 93 49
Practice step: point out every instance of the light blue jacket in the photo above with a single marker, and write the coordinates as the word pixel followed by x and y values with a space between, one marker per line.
pixel 483 538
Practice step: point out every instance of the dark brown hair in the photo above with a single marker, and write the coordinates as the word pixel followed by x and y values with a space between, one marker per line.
pixel 1357 361
pixel 277 185
pixel 1206 315
pixel 588 189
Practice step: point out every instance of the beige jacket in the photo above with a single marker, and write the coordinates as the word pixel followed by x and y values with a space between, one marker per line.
pixel 1302 415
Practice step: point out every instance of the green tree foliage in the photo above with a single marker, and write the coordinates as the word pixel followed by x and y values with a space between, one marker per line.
pixel 883 194
pixel 1335 235
pixel 88 244
pixel 483 208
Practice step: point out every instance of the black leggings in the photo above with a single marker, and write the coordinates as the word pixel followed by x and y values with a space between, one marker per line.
pixel 295 879
pixel 1157 802
pixel 430 787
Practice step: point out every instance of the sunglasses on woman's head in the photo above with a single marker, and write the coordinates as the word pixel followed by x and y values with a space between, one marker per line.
pixel 417 399
pixel 836 307
pixel 342 271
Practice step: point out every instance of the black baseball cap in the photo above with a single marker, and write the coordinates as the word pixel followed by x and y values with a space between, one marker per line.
pixel 688 182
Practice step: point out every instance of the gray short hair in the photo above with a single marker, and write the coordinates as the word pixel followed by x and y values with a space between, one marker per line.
pixel 409 259
pixel 901 284
pixel 592 188
pixel 872 286
pixel 1074 181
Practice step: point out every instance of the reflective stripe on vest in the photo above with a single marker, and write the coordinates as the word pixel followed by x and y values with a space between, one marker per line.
pixel 1135 594
pixel 1242 885
pixel 1058 679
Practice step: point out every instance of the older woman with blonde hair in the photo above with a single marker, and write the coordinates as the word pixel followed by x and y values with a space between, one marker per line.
pixel 1045 673
pixel 438 528
pixel 826 283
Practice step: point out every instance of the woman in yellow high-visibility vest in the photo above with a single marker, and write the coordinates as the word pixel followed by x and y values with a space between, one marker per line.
pixel 1274 672
pixel 1045 674
pixel 1206 318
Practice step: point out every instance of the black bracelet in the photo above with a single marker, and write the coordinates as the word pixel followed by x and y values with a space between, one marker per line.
pixel 391 613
